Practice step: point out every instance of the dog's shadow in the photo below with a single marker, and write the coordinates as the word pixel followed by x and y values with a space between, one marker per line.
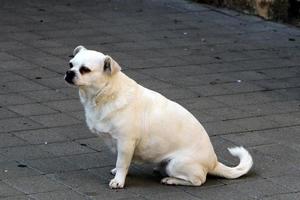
pixel 143 176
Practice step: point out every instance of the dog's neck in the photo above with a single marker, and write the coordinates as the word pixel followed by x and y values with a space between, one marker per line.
pixel 107 92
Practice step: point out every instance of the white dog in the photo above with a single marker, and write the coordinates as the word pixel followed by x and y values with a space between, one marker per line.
pixel 142 125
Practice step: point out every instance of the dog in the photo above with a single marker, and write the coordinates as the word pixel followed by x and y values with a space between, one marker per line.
pixel 142 125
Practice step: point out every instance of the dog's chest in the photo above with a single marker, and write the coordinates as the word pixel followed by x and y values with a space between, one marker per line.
pixel 101 127
pixel 96 121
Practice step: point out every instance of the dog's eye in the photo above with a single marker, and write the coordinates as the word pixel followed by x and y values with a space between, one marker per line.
pixel 71 65
pixel 84 70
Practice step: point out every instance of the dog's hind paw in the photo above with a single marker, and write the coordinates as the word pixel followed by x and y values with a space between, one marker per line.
pixel 169 181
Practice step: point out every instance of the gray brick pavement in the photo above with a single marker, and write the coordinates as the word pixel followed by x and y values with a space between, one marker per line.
pixel 238 74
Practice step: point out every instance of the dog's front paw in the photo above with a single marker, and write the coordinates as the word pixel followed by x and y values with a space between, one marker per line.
pixel 115 184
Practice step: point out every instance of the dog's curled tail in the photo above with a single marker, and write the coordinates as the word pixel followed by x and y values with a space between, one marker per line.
pixel 243 167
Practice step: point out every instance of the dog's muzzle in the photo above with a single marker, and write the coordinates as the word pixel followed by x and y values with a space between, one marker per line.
pixel 70 76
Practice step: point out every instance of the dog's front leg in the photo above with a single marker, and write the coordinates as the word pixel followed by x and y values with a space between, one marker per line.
pixel 125 153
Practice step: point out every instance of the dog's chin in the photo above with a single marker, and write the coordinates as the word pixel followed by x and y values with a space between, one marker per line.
pixel 72 83
pixel 79 84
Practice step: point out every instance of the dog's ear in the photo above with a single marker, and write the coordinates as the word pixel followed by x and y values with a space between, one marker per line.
pixel 111 67
pixel 77 49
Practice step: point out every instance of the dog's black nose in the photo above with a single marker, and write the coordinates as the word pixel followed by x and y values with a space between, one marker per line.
pixel 70 76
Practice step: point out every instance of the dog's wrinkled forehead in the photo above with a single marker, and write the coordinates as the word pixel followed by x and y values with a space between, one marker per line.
pixel 88 58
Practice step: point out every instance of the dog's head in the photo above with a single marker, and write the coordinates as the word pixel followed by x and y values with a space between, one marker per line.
pixel 90 68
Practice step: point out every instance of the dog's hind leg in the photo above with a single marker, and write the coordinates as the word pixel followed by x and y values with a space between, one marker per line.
pixel 183 171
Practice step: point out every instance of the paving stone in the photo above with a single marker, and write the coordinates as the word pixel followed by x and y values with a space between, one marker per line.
pixel 210 90
pixel 272 84
pixel 240 86
pixel 92 160
pixel 15 124
pixel 13 99
pixel 77 114
pixel 53 165
pixel 23 197
pixel 103 192
pixel 104 172
pixel 290 93
pixel 13 169
pixel 249 98
pixel 172 195
pixel 3 158
pixel 41 136
pixel 79 180
pixel 10 76
pixel 31 109
pixel 200 103
pixel 222 127
pixel 177 93
pixel 34 184
pixel 6 190
pixel 24 152
pixel 73 132
pixel 226 113
pixel 95 143
pixel 278 151
pixel 287 106
pixel 21 86
pixel 203 117
pixel 291 196
pixel 259 189
pixel 136 75
pixel 5 57
pixel 290 181
pixel 4 113
pixel 201 80
pixel 264 165
pixel 66 148
pixel 285 135
pixel 66 105
pixel 54 120
pixel 45 95
pixel 38 73
pixel 248 75
pixel 53 83
pixel 7 140
pixel 256 123
pixel 14 65
pixel 154 84
pixel 24 36
pixel 248 139
pixel 260 109
pixel 280 73
pixel 70 92
pixel 286 119
pixel 222 192
pixel 64 194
